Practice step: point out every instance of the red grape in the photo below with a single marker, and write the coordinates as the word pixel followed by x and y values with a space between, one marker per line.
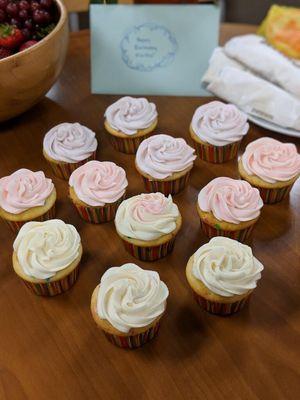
pixel 12 9
pixel 26 33
pixel 24 5
pixel 15 22
pixel 35 6
pixel 28 24
pixel 2 16
pixel 3 4
pixel 23 14
pixel 46 3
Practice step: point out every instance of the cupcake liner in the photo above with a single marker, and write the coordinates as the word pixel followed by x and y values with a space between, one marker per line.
pixel 15 226
pixel 220 308
pixel 240 235
pixel 217 154
pixel 127 145
pixel 150 253
pixel 98 215
pixel 271 196
pixel 64 170
pixel 132 342
pixel 53 288
pixel 167 187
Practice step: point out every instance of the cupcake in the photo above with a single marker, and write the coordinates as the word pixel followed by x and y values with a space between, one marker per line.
pixel 26 196
pixel 128 121
pixel 271 166
pixel 46 256
pixel 222 274
pixel 128 304
pixel 229 207
pixel 148 225
pixel 217 130
pixel 165 162
pixel 67 146
pixel 97 189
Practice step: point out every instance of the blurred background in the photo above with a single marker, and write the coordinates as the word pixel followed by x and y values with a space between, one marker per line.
pixel 240 11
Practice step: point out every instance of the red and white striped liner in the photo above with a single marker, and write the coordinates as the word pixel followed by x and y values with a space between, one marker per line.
pixel 149 253
pixel 217 154
pixel 240 235
pixel 64 170
pixel 127 145
pixel 166 187
pixel 221 308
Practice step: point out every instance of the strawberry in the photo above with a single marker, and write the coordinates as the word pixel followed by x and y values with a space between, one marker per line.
pixel 10 36
pixel 5 52
pixel 28 44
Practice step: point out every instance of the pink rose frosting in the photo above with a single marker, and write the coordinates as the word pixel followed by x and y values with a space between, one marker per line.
pixel 99 182
pixel 271 160
pixel 219 124
pixel 162 155
pixel 23 190
pixel 230 200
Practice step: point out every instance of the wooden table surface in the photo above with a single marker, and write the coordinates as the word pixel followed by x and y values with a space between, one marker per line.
pixel 50 348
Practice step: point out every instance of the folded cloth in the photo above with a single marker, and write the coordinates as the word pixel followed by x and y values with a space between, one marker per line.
pixel 253 52
pixel 257 96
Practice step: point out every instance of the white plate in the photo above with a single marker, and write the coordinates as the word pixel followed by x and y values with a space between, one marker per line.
pixel 273 127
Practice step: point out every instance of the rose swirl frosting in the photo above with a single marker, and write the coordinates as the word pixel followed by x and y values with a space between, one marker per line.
pixel 219 124
pixel 99 182
pixel 70 142
pixel 230 200
pixel 162 155
pixel 45 248
pixel 130 297
pixel 226 267
pixel 130 114
pixel 24 189
pixel 271 160
pixel 147 216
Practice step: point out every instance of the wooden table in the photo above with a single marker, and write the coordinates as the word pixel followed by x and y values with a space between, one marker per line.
pixel 50 348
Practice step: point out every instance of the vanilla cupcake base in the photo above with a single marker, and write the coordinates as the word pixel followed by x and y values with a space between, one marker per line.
pixel 151 250
pixel 95 215
pixel 40 213
pixel 269 192
pixel 128 143
pixel 136 337
pixel 171 185
pixel 62 169
pixel 212 302
pixel 212 227
pixel 58 284
pixel 214 154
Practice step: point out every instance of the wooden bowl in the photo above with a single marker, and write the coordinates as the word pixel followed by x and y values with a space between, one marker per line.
pixel 27 76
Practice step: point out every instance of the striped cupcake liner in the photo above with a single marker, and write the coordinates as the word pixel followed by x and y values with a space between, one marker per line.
pixel 132 342
pixel 127 145
pixel 150 253
pixel 98 215
pixel 53 288
pixel 64 170
pixel 167 187
pixel 217 154
pixel 221 308
pixel 271 196
pixel 211 232
pixel 15 226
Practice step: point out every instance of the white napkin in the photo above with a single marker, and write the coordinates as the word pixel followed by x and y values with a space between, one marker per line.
pixel 253 52
pixel 256 96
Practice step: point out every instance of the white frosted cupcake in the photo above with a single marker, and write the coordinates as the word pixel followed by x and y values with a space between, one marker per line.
pixel 96 190
pixel 26 196
pixel 217 130
pixel 67 146
pixel 128 121
pixel 128 305
pixel 222 274
pixel 47 255
pixel 165 162
pixel 148 225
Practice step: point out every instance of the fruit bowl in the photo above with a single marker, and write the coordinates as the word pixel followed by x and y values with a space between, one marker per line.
pixel 25 77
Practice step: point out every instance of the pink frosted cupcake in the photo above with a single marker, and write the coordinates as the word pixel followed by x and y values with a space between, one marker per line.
pixel 217 130
pixel 128 305
pixel 271 166
pixel 96 189
pixel 148 225
pixel 129 121
pixel 164 163
pixel 67 146
pixel 26 196
pixel 229 207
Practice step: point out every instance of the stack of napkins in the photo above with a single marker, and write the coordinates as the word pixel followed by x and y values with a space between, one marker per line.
pixel 258 79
